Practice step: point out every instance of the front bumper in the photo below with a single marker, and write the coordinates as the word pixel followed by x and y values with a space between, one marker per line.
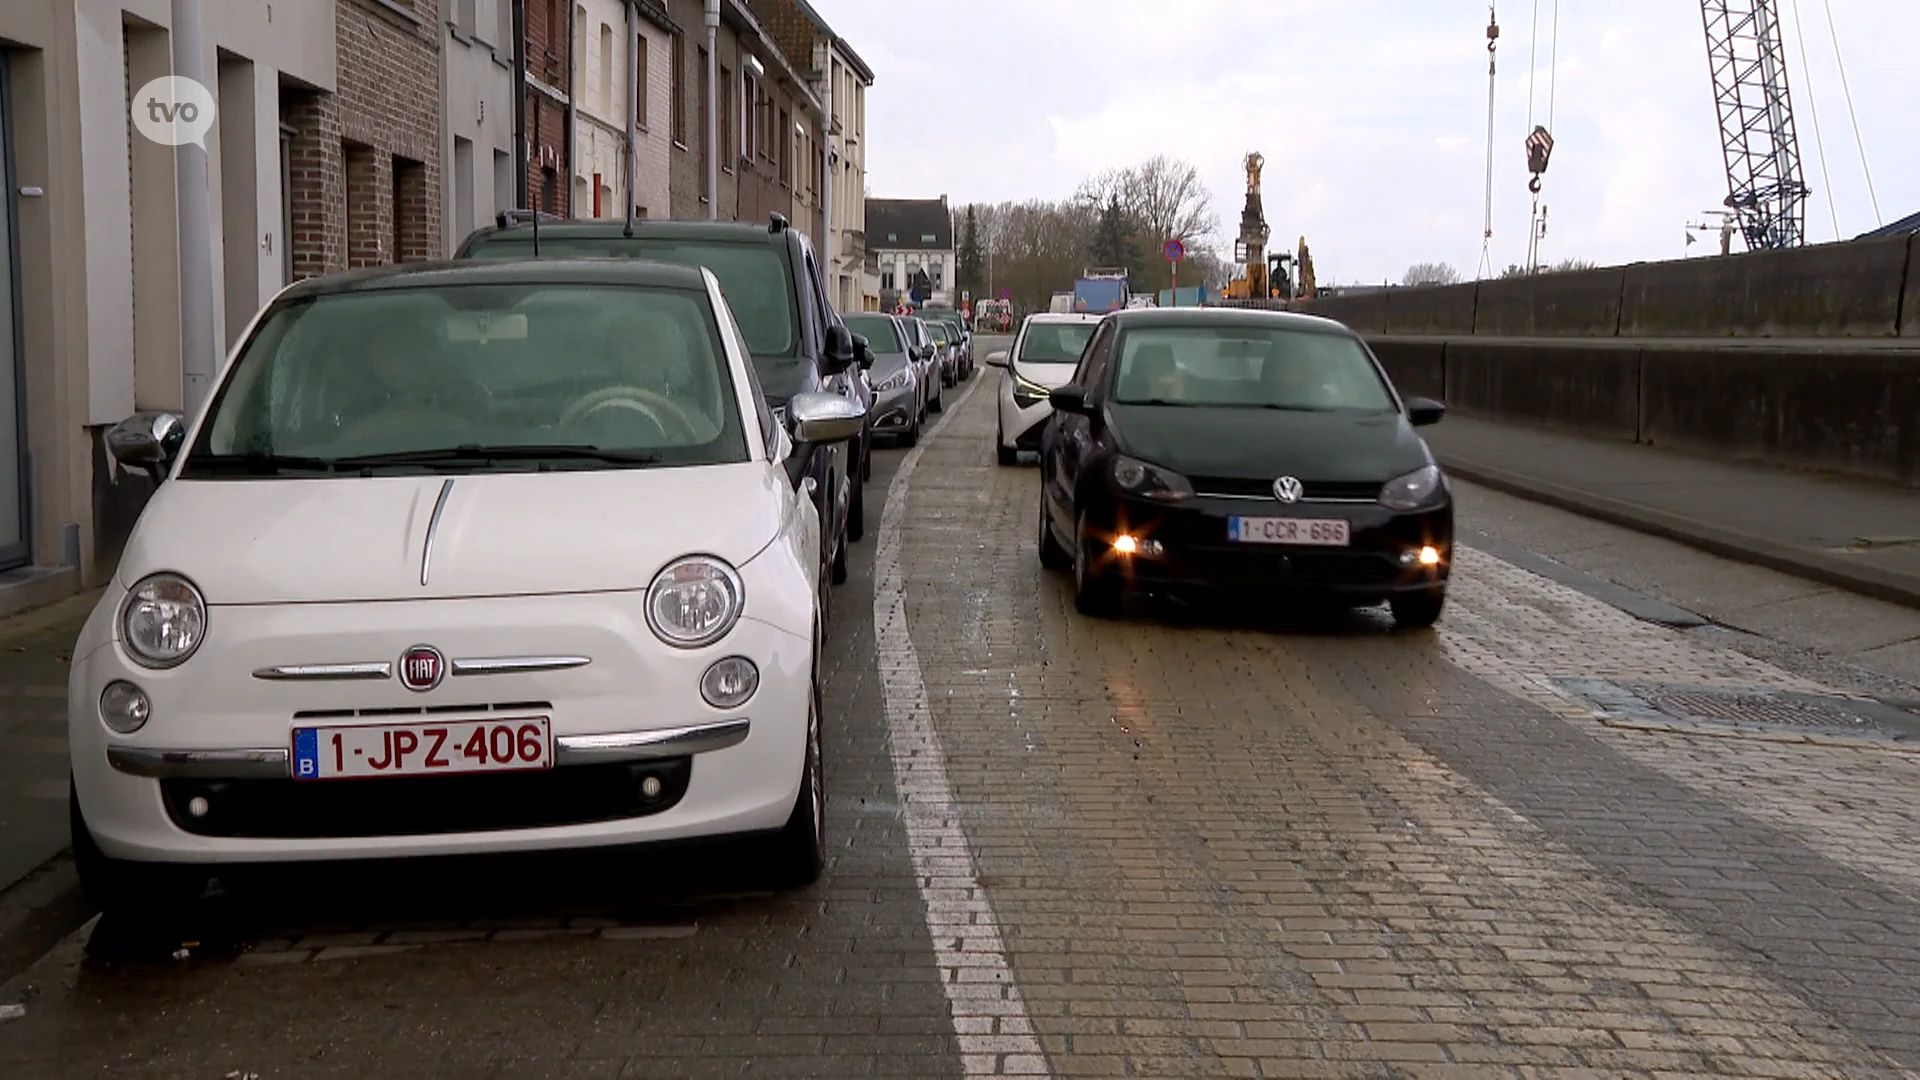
pixel 1194 553
pixel 221 732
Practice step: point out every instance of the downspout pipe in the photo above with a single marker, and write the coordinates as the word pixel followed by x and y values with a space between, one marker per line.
pixel 712 134
pixel 828 166
pixel 633 112
pixel 199 337
pixel 521 184
pixel 573 108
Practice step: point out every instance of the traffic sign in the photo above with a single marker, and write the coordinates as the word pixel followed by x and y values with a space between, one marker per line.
pixel 1006 294
pixel 1174 251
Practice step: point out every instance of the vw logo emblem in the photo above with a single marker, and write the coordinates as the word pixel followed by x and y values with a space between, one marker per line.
pixel 1287 489
pixel 421 668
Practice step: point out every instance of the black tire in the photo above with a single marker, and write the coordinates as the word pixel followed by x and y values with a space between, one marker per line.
pixel 839 575
pixel 798 852
pixel 1094 594
pixel 866 460
pixel 1007 454
pixel 1052 555
pixel 910 436
pixel 149 893
pixel 939 402
pixel 1418 610
pixel 857 511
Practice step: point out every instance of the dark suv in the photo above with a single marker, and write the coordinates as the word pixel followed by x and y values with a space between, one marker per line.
pixel 772 281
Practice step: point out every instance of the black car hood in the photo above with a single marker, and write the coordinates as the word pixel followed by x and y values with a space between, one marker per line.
pixel 1263 443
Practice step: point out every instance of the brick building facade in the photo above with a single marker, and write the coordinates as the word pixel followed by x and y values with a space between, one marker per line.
pixel 365 162
pixel 549 75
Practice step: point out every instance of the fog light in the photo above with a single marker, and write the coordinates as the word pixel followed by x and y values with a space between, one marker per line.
pixel 1124 544
pixel 198 806
pixel 124 707
pixel 650 787
pixel 1429 556
pixel 730 682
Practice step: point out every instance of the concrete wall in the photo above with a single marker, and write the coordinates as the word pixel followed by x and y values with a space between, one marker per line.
pixel 1807 358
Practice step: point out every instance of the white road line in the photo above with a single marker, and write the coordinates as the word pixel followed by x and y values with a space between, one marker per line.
pixel 989 1017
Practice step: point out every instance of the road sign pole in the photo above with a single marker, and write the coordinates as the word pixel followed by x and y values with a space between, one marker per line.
pixel 1174 269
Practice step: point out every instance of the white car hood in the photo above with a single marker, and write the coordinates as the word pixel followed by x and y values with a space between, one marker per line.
pixel 500 534
pixel 1047 375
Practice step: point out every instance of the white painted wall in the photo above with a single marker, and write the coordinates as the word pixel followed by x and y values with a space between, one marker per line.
pixel 479 108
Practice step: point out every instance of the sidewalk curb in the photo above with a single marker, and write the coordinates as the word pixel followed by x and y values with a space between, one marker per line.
pixel 1787 558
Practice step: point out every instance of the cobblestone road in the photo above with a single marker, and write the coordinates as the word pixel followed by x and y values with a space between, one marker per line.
pixel 1169 845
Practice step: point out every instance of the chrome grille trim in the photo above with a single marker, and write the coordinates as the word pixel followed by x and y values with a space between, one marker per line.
pixel 372 670
pixel 646 745
pixel 1277 502
pixel 497 665
pixel 265 763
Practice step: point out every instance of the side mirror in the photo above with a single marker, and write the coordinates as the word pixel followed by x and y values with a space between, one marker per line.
pixel 924 352
pixel 1424 411
pixel 839 351
pixel 999 360
pixel 148 441
pixel 862 351
pixel 1070 399
pixel 817 418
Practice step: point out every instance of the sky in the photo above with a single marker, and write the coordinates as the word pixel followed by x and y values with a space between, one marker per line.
pixel 1372 115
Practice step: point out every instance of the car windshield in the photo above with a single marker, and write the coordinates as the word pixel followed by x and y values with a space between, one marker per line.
pixel 879 331
pixel 1054 343
pixel 939 332
pixel 757 282
pixel 480 376
pixel 1247 367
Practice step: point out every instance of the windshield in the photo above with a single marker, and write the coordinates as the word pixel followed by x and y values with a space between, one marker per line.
pixel 1249 367
pixel 755 279
pixel 877 329
pixel 1054 343
pixel 479 376
pixel 939 332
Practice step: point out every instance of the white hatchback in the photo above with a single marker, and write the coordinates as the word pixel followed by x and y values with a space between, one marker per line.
pixel 507 556
pixel 1043 356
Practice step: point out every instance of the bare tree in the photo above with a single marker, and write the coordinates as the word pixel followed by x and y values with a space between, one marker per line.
pixel 1430 273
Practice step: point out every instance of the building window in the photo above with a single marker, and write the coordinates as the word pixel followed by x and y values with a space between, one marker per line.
pixel 680 90
pixel 886 280
pixel 785 149
pixel 463 15
pixel 727 145
pixel 701 135
pixel 606 71
pixel 555 66
pixel 640 82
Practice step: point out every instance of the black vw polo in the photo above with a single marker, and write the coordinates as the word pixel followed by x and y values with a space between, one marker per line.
pixel 1240 450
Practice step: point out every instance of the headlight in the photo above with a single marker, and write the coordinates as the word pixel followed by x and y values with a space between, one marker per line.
pixel 163 620
pixel 1137 477
pixel 1414 491
pixel 896 381
pixel 728 683
pixel 1027 393
pixel 694 601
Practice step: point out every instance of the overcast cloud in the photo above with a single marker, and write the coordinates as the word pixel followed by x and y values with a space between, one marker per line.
pixel 1372 115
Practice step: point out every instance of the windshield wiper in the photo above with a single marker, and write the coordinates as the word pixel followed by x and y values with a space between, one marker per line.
pixel 512 452
pixel 262 463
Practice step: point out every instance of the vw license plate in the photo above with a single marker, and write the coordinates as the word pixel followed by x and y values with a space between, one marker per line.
pixel 467 746
pixel 1318 532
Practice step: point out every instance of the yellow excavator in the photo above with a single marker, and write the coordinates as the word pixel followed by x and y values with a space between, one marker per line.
pixel 1264 275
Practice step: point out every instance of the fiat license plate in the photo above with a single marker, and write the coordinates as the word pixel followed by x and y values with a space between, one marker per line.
pixel 460 746
pixel 1318 532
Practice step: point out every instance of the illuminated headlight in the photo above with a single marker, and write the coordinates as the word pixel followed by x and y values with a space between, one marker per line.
pixel 124 707
pixel 163 620
pixel 1414 491
pixel 899 380
pixel 694 601
pixel 1137 477
pixel 730 682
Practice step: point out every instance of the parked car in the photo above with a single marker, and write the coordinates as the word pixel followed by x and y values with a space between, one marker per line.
pixel 899 403
pixel 773 280
pixel 444 568
pixel 963 337
pixel 1043 356
pixel 1247 452
pixel 931 384
pixel 948 351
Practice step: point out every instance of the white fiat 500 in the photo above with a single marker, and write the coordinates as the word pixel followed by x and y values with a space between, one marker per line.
pixel 476 558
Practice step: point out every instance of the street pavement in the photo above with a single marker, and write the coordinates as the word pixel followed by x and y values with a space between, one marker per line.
pixel 1632 810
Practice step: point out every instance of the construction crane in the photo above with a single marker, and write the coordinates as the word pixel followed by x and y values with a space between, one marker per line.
pixel 1749 64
